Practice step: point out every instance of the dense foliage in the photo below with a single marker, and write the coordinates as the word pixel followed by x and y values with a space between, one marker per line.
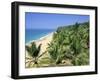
pixel 70 43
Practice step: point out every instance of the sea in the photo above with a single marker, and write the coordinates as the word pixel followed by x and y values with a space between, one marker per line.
pixel 35 34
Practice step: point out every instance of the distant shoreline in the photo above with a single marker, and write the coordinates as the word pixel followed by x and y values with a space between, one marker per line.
pixel 43 37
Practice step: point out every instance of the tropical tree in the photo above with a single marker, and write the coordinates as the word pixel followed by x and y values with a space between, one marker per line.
pixel 33 51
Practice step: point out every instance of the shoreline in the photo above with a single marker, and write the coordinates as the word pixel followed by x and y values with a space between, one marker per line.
pixel 49 34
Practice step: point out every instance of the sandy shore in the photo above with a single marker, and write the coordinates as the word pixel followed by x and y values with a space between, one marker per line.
pixel 44 41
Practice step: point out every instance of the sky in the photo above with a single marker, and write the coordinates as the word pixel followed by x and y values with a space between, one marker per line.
pixel 52 21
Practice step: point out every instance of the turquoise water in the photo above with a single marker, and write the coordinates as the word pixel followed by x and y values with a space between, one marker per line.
pixel 34 34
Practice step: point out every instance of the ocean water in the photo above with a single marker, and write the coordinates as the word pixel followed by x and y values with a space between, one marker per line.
pixel 34 34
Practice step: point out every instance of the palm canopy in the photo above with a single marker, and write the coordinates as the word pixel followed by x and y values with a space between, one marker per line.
pixel 33 50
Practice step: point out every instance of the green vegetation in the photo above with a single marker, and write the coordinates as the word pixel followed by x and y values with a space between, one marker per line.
pixel 69 47
pixel 33 51
pixel 70 43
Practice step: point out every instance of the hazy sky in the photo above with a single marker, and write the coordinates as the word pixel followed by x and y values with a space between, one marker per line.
pixel 51 21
